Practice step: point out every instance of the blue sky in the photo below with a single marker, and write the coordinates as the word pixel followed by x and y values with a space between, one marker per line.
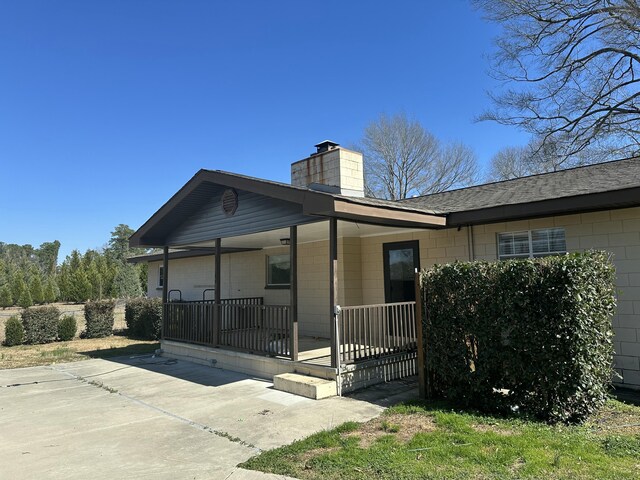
pixel 108 107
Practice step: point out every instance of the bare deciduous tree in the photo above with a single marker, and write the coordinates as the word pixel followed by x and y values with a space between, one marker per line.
pixel 403 159
pixel 539 157
pixel 575 65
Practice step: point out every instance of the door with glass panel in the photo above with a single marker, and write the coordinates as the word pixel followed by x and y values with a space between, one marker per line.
pixel 401 261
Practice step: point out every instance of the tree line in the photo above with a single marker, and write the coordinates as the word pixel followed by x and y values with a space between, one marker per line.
pixel 31 276
pixel 569 75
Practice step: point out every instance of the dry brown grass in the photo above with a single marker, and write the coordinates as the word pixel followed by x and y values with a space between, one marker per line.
pixel 77 310
pixel 73 351
pixel 403 427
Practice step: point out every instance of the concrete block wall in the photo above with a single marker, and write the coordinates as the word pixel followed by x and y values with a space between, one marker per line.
pixel 190 275
pixel 617 231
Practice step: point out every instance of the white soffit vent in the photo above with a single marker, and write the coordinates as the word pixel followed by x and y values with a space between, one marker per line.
pixel 229 202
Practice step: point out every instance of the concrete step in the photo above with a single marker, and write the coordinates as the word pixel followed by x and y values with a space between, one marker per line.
pixel 305 386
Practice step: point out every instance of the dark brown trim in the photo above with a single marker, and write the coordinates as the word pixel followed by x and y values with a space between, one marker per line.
pixel 277 287
pixel 293 296
pixel 419 338
pixel 625 198
pixel 165 275
pixel 333 290
pixel 314 203
pixel 387 215
pixel 386 247
pixel 217 292
pixel 196 252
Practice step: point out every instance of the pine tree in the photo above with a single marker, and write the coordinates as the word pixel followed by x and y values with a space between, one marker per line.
pixel 127 282
pixel 36 290
pixel 50 291
pixel 6 299
pixel 95 279
pixel 64 282
pixel 25 300
pixel 18 286
pixel 80 286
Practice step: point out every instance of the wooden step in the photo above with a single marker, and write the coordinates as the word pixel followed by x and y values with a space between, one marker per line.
pixel 305 386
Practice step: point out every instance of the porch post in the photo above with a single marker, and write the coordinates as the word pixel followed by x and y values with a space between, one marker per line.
pixel 165 288
pixel 333 289
pixel 217 296
pixel 293 257
pixel 422 392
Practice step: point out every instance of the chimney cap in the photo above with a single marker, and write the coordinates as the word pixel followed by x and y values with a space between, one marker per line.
pixel 325 146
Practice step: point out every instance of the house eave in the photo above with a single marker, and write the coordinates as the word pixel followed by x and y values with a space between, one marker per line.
pixel 590 202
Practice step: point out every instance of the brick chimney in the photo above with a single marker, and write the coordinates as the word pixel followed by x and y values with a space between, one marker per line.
pixel 331 169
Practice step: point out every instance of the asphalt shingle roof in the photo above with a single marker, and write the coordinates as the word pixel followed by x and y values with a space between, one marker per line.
pixel 603 177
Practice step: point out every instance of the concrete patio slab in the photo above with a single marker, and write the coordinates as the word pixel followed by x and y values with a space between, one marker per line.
pixel 150 417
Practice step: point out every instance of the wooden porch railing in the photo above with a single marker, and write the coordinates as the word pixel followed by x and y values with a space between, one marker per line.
pixel 373 331
pixel 245 324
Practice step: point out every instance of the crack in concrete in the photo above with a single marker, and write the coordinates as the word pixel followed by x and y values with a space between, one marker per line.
pixel 174 416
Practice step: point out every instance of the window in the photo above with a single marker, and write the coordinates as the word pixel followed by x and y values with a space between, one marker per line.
pixel 160 276
pixel 278 271
pixel 531 243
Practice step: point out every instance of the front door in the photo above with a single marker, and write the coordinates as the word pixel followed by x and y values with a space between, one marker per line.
pixel 401 261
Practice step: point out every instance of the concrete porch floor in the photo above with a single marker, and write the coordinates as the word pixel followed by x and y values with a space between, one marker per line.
pixel 157 418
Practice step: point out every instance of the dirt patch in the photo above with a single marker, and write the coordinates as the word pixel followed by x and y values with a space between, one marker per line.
pixel 73 351
pixel 616 420
pixel 403 427
pixel 483 428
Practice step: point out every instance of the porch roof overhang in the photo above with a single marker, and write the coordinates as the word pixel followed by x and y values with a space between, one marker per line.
pixel 307 205
pixel 186 253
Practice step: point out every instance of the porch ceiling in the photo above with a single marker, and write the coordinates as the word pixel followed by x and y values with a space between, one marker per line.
pixel 312 232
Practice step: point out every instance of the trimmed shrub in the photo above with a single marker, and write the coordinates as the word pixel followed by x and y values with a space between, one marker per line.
pixel 534 336
pixel 13 332
pixel 144 317
pixel 99 318
pixel 40 324
pixel 67 328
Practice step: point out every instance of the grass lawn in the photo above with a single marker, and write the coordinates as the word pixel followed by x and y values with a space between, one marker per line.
pixel 73 351
pixel 432 441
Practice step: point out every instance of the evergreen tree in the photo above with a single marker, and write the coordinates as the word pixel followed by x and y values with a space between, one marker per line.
pixel 118 248
pixel 95 279
pixel 36 290
pixel 18 286
pixel 6 299
pixel 80 286
pixel 50 291
pixel 75 260
pixel 127 282
pixel 48 257
pixel 25 300
pixel 64 282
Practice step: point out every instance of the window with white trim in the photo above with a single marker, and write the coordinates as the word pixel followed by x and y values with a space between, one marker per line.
pixel 531 243
pixel 160 276
pixel 278 271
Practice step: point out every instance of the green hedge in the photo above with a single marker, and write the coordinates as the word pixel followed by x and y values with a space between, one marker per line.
pixel 40 324
pixel 534 336
pixel 13 332
pixel 67 328
pixel 99 318
pixel 144 317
